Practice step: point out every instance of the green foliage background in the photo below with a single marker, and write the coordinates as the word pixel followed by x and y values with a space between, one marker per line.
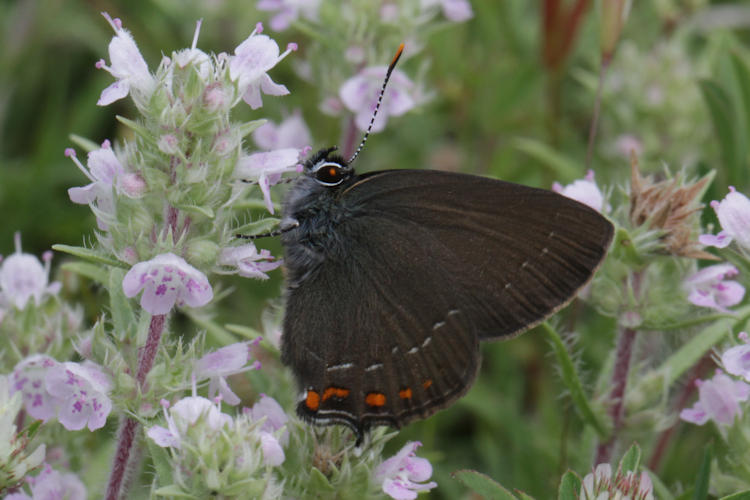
pixel 492 114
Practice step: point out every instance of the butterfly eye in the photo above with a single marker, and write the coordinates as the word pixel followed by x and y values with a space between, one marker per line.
pixel 329 174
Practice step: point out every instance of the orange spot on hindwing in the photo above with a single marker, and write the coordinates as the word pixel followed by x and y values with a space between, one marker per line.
pixel 375 399
pixel 312 401
pixel 405 393
pixel 338 392
pixel 427 383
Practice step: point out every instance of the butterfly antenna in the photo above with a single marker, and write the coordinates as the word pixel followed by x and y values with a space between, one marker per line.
pixel 380 99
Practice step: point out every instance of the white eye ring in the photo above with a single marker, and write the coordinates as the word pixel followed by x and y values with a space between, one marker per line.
pixel 335 169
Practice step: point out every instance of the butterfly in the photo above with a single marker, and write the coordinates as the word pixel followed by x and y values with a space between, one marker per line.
pixel 395 277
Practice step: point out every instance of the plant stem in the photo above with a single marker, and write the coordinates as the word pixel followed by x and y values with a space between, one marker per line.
pixel 623 355
pixel 129 426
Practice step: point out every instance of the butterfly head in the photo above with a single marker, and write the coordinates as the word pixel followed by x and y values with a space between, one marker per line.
pixel 328 169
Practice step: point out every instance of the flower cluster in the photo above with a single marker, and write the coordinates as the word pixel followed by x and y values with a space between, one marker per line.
pixel 720 398
pixel 601 484
pixel 53 485
pixel 23 277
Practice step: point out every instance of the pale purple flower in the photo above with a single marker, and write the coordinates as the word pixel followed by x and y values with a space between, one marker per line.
pixel 583 190
pixel 403 475
pixel 167 280
pixel 734 216
pixel 288 11
pixel 184 415
pixel 223 362
pixel 360 95
pixel 22 277
pixel 128 66
pixel 267 408
pixel 81 390
pixel 736 360
pixel 28 378
pixel 292 132
pixel 389 12
pixel 267 168
pixel 252 60
pixel 273 453
pixel 628 144
pixel 718 400
pixel 600 484
pixel 453 10
pixel 104 171
pixel 710 288
pixel 50 484
pixel 248 261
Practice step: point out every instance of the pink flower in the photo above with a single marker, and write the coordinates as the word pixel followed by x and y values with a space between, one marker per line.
pixel 734 216
pixel 248 262
pixel 718 400
pixel 267 408
pixel 81 390
pixel 167 280
pixel 50 484
pixel 628 144
pixel 22 277
pixel 709 288
pixel 360 95
pixel 75 393
pixel 128 66
pixel 273 453
pixel 402 475
pixel 252 60
pixel 289 11
pixel 218 365
pixel 187 413
pixel 454 10
pixel 267 169
pixel 105 173
pixel 583 190
pixel 292 132
pixel 736 360
pixel 28 379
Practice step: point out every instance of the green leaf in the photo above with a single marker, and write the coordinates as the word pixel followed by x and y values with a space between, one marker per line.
pixel 660 489
pixel 243 331
pixel 724 121
pixel 91 271
pixel 173 491
pixel 319 482
pixel 249 127
pixel 86 144
pixel 704 474
pixel 742 495
pixel 570 486
pixel 483 485
pixel 689 354
pixel 564 167
pixel 123 316
pixel 196 209
pixel 160 460
pixel 90 255
pixel 258 227
pixel 573 383
pixel 631 459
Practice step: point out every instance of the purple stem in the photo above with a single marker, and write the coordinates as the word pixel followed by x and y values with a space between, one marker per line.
pixel 129 427
pixel 623 355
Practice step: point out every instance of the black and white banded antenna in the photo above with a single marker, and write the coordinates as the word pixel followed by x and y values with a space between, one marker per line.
pixel 380 100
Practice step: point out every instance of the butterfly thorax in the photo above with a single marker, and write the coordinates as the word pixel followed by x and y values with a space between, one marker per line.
pixel 318 210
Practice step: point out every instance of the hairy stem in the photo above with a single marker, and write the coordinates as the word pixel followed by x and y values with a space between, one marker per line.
pixel 128 426
pixel 623 355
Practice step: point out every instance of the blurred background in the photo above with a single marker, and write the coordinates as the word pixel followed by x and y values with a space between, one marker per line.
pixel 512 97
